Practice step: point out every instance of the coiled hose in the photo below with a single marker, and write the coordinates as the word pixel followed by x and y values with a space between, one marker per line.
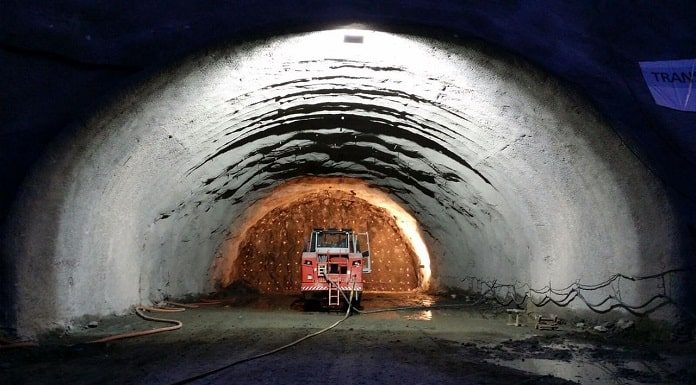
pixel 140 311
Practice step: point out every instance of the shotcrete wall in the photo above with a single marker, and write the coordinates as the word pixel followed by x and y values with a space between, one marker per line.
pixel 512 177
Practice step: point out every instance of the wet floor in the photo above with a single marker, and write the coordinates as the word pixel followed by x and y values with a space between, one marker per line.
pixel 467 345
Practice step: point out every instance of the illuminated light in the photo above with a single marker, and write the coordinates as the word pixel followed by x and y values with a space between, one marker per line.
pixel 354 38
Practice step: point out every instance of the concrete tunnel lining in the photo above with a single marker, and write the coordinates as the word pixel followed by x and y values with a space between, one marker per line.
pixel 512 176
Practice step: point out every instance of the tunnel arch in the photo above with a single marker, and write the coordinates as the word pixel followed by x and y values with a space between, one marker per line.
pixel 512 176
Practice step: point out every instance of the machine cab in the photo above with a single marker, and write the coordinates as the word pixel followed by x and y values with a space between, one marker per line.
pixel 343 242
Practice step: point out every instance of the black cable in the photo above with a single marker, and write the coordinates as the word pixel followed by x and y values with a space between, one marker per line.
pixel 268 353
pixel 573 291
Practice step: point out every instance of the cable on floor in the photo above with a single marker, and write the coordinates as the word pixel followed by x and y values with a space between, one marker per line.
pixel 176 324
pixel 268 353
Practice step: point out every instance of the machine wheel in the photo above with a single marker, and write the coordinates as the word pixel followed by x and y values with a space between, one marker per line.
pixel 312 304
pixel 356 303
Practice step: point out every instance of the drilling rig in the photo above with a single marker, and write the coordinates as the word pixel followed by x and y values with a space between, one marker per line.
pixel 335 260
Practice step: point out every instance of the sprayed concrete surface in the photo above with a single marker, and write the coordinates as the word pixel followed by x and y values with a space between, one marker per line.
pixel 470 345
pixel 511 176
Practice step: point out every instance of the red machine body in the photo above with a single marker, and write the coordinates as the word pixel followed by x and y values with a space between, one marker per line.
pixel 334 260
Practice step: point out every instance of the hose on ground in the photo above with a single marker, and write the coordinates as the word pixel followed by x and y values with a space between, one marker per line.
pixel 268 353
pixel 18 344
pixel 140 312
pixel 482 299
pixel 194 305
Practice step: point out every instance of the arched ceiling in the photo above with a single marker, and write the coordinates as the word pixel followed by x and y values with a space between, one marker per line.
pixel 511 174
pixel 64 62
pixel 65 59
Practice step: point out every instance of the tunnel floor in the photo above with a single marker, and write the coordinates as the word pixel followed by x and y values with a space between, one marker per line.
pixel 473 345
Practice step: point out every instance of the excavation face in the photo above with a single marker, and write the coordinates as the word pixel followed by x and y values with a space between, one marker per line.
pixel 264 248
pixel 510 176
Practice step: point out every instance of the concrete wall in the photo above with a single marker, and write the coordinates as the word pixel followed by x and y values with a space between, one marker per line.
pixel 512 177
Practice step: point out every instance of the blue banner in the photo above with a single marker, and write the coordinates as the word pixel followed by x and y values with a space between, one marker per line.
pixel 672 83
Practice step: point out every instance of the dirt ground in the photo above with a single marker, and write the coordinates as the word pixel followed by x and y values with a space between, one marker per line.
pixel 471 345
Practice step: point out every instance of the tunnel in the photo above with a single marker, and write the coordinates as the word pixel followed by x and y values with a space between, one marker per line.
pixel 475 171
pixel 509 175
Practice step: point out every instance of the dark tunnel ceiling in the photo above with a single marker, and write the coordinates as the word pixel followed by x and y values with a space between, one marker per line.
pixel 63 59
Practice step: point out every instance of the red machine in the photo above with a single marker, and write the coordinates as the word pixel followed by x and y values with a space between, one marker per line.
pixel 334 260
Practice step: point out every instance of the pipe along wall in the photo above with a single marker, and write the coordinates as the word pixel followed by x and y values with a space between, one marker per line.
pixel 511 176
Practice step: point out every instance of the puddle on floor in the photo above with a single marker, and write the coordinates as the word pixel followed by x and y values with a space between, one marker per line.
pixel 584 372
pixel 425 315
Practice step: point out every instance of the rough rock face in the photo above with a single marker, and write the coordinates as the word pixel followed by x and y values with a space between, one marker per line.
pixel 270 254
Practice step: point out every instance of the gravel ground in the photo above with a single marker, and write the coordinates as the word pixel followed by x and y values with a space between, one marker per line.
pixel 472 345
